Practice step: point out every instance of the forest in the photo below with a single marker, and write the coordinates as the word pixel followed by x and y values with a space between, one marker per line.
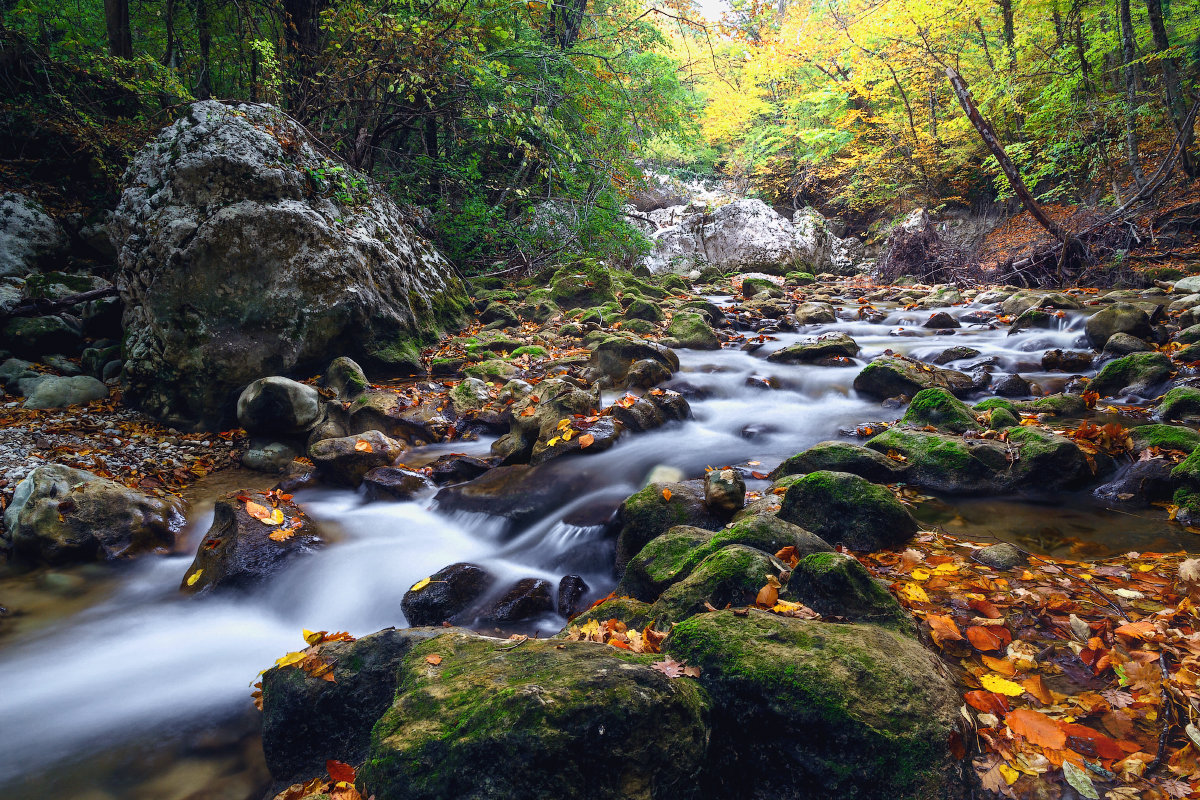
pixel 600 399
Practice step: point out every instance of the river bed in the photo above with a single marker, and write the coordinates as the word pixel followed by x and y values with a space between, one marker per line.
pixel 116 686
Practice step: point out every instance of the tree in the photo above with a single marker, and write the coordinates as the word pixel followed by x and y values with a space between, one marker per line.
pixel 116 21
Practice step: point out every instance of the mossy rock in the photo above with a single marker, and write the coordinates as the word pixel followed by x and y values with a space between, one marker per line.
pixel 1187 472
pixel 996 402
pixel 643 309
pixel 639 326
pixel 1059 405
pixel 691 330
pixel 843 711
pixel 942 410
pixel 1002 418
pixel 648 513
pixel 584 284
pixel 836 456
pixel 531 350
pixel 672 556
pixel 836 585
pixel 613 356
pixel 602 315
pixel 673 283
pixel 828 346
pixel 1180 402
pixel 401 357
pixel 732 575
pixel 846 509
pixel 1190 335
pixel 492 370
pixel 945 463
pixel 752 286
pixel 800 278
pixel 545 719
pixel 634 613
pixel 1045 460
pixel 1138 373
pixel 1168 437
pixel 890 376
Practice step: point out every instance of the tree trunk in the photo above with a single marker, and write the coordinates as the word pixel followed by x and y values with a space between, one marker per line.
pixel 1176 105
pixel 1006 165
pixel 168 59
pixel 1129 55
pixel 116 22
pixel 302 41
pixel 204 36
pixel 1081 54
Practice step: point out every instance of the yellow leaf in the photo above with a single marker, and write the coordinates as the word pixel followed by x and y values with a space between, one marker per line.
pixel 946 569
pixel 552 442
pixel 567 434
pixel 290 659
pixel 994 683
pixel 914 593
pixel 281 535
pixel 313 637
pixel 419 585
pixel 1010 774
pixel 274 518
pixel 195 576
pixel 920 574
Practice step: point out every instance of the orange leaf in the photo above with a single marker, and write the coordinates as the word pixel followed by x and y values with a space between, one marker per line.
pixel 433 658
pixel 985 608
pixel 987 702
pixel 1038 728
pixel 666 495
pixel 1001 665
pixel 1037 687
pixel 943 629
pixel 339 771
pixel 989 637
pixel 586 440
pixel 363 446
pixel 257 511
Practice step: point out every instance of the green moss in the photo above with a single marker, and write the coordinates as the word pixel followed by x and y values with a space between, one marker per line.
pixel 673 283
pixel 1168 437
pixel 638 326
pixel 1060 405
pixel 840 507
pixel 693 331
pixel 800 278
pixel 941 409
pixel 731 575
pixel 1002 418
pixel 1182 401
pixel 860 706
pixel 585 283
pixel 533 351
pixel 996 402
pixel 1136 372
pixel 634 613
pixel 404 354
pixel 493 368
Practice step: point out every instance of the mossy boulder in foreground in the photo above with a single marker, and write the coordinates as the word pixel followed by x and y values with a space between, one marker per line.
pixel 942 410
pixel 817 710
pixel 545 718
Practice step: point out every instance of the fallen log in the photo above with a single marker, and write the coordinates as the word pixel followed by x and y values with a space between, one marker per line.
pixel 41 306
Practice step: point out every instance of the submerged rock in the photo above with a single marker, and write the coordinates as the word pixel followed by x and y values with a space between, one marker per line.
pixel 829 346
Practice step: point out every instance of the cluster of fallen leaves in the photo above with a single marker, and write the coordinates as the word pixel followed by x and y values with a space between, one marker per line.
pixel 273 515
pixel 1080 674
pixel 307 660
pixel 337 785
pixel 617 634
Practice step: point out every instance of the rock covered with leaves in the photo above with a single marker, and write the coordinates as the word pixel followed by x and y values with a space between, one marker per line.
pixel 246 252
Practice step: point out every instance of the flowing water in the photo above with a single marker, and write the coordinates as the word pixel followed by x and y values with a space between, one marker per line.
pixel 115 686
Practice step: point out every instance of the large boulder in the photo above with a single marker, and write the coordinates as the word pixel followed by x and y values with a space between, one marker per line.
pixel 748 235
pixel 59 514
pixel 835 456
pixel 548 718
pixel 246 252
pixel 308 720
pixel 658 508
pixel 1138 374
pixel 242 549
pixel 346 460
pixel 1117 318
pixel 30 239
pixel 60 392
pixel 818 710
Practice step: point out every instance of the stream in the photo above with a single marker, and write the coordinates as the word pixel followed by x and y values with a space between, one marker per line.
pixel 116 686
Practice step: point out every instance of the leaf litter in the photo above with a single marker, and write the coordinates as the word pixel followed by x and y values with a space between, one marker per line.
pixel 1080 679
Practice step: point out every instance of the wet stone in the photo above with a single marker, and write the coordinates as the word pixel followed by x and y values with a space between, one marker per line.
pixel 528 598
pixel 572 589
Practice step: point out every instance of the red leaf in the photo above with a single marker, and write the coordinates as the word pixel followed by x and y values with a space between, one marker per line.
pixel 339 771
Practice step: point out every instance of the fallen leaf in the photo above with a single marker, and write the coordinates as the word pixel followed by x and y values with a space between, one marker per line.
pixel 1036 727
pixel 433 658
pixel 195 576
pixel 994 683
pixel 363 446
pixel 586 440
pixel 666 494
pixel 339 771
pixel 943 629
pixel 419 585
pixel 1080 781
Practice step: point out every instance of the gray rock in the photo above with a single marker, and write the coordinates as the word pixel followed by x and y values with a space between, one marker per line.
pixel 1122 344
pixel 345 377
pixel 275 457
pixel 56 392
pixel 1000 556
pixel 346 460
pixel 236 229
pixel 724 491
pixel 278 405
pixel 30 239
pixel 1117 318
pixel 60 515
pixel 829 346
